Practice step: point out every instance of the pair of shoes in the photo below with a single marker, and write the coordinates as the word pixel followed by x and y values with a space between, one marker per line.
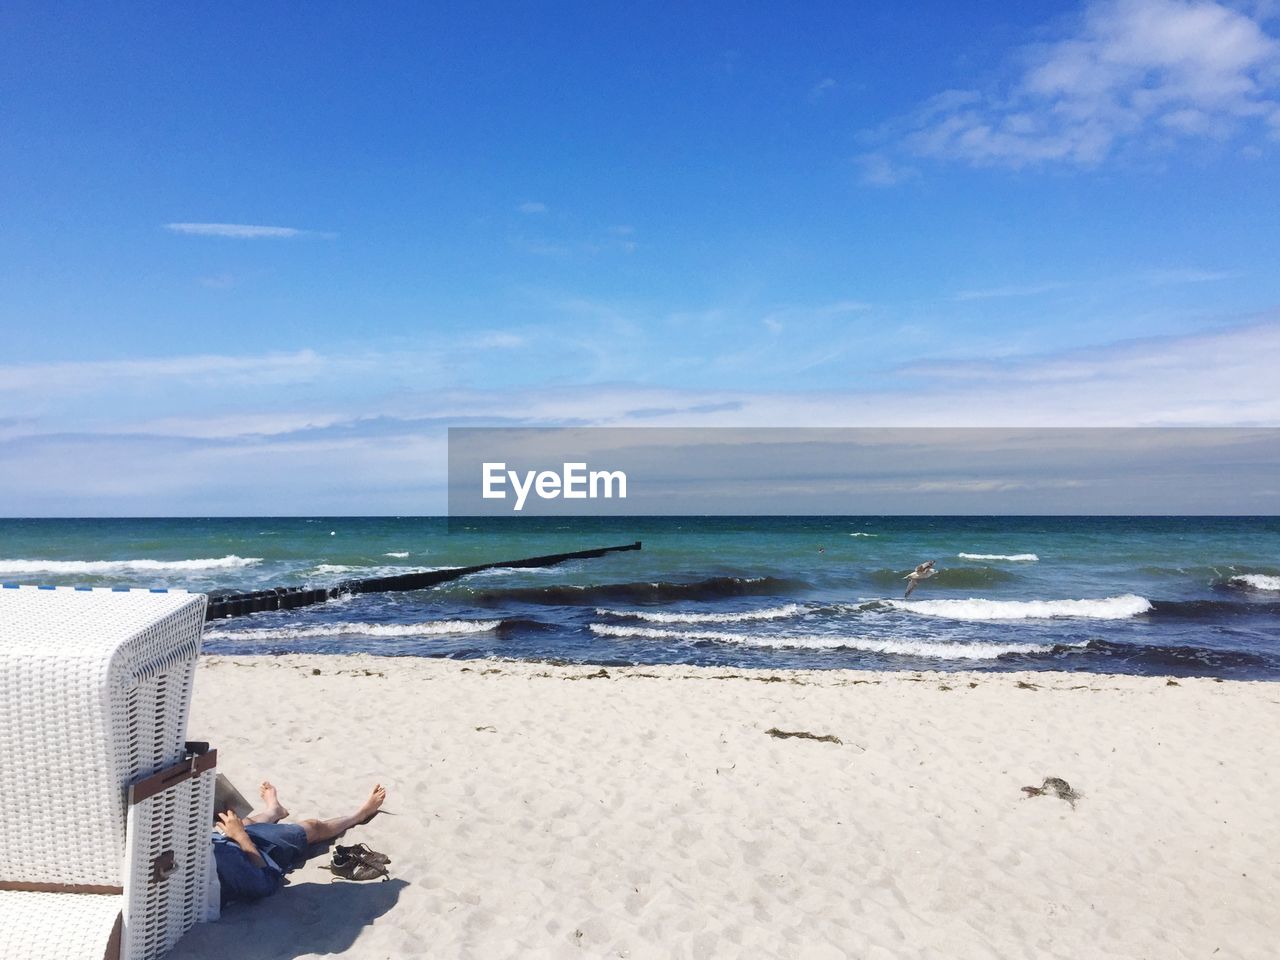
pixel 362 850
pixel 358 863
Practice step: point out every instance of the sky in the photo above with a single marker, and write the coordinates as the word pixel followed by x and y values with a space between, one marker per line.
pixel 256 258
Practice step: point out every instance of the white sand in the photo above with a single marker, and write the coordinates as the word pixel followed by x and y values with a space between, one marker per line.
pixel 539 812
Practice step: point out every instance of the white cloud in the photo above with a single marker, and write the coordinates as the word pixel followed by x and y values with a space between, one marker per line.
pixel 532 207
pixel 879 171
pixel 497 340
pixel 88 375
pixel 251 424
pixel 1132 73
pixel 238 231
pixel 218 281
pixel 1188 275
pixel 268 452
pixel 822 87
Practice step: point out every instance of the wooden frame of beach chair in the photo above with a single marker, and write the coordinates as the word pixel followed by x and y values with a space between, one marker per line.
pixel 105 810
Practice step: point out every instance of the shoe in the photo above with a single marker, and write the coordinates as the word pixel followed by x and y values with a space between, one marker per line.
pixel 349 864
pixel 362 850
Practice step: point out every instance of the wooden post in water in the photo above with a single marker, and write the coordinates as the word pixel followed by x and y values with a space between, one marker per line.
pixel 290 598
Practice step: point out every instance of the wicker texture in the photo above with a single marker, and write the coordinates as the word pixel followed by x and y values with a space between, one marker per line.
pixel 95 686
pixel 56 926
pixel 158 912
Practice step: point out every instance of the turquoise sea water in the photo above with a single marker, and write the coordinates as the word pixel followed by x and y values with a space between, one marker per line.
pixel 1169 595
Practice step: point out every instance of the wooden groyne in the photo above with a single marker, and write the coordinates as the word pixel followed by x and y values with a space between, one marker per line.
pixel 290 598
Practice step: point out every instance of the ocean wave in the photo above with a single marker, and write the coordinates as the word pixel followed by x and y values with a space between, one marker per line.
pixel 1257 581
pixel 558 569
pixel 1214 609
pixel 1014 557
pixel 107 567
pixel 770 613
pixel 975 608
pixel 364 572
pixel 651 592
pixel 397 554
pixel 864 534
pixel 429 628
pixel 1158 657
pixel 902 648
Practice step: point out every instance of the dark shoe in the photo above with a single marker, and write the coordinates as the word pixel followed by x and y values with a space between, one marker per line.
pixel 349 864
pixel 362 850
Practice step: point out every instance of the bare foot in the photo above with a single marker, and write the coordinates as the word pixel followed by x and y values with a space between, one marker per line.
pixel 275 811
pixel 371 806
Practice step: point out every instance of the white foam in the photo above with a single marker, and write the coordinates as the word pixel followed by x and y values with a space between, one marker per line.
pixel 864 534
pixel 1259 581
pixel 511 571
pixel 902 648
pixel 125 566
pixel 772 613
pixel 397 554
pixel 975 608
pixel 1015 557
pixel 429 628
pixel 384 570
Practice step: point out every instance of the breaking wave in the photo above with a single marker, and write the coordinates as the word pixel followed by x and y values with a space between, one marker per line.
pixel 1257 581
pixel 429 628
pixel 771 613
pixel 1107 608
pixel 901 648
pixel 1014 557
pixel 125 566
pixel 397 554
pixel 368 571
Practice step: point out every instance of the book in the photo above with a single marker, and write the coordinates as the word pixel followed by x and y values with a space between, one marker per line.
pixel 227 797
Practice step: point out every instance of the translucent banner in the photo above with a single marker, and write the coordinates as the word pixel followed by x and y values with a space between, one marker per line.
pixel 626 471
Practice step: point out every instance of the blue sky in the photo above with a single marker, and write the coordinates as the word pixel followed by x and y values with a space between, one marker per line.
pixel 255 258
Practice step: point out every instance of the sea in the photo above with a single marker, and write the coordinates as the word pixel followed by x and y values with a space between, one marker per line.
pixel 1175 596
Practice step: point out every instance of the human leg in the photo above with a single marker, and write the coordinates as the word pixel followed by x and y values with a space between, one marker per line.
pixel 321 831
pixel 273 812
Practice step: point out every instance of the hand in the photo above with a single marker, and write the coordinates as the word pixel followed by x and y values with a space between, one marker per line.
pixel 232 826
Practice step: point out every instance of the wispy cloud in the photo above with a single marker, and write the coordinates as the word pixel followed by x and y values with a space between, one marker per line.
pixel 244 450
pixel 1131 73
pixel 1188 275
pixel 218 281
pixel 532 207
pixel 878 170
pixel 821 88
pixel 993 293
pixel 89 375
pixel 243 231
pixel 497 340
pixel 542 247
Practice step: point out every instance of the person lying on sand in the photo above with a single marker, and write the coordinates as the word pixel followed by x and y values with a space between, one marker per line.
pixel 254 854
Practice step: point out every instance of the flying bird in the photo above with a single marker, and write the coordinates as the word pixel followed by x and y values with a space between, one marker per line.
pixel 922 572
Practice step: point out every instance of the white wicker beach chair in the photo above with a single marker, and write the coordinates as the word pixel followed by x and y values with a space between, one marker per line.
pixel 105 809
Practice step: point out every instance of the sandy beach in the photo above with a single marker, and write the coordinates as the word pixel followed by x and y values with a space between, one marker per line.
pixel 544 811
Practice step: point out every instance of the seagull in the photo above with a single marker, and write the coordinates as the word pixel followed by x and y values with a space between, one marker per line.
pixel 922 572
